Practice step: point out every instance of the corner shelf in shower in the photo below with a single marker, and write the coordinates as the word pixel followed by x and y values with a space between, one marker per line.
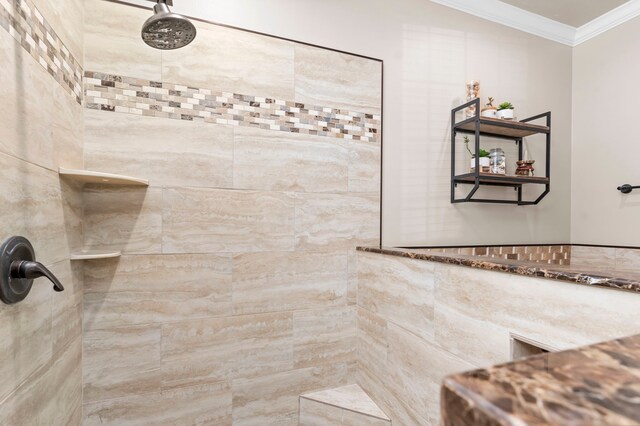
pixel 501 129
pixel 91 177
pixel 95 254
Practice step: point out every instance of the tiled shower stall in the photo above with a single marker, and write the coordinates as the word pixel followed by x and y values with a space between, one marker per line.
pixel 236 288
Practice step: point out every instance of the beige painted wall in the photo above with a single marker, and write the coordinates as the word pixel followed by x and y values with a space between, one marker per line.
pixel 419 321
pixel 236 289
pixel 429 52
pixel 41 129
pixel 605 148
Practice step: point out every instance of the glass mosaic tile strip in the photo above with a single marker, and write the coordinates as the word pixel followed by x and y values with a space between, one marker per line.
pixel 159 99
pixel 22 20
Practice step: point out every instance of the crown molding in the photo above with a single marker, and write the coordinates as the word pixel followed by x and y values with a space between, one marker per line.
pixel 609 20
pixel 514 17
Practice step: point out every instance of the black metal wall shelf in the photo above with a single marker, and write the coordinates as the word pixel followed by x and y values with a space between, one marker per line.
pixel 502 129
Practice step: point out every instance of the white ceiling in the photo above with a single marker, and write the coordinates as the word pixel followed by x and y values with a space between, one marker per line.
pixel 571 12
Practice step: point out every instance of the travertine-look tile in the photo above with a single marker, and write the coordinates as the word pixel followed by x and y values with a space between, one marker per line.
pixel 209 350
pixel 112 41
pixel 401 292
pixel 352 284
pixel 336 79
pixel 416 369
pixel 279 161
pixel 314 413
pixel 208 404
pixel 365 165
pixel 26 90
pixel 627 260
pixel 593 257
pixel 212 220
pixel 66 19
pixel 25 328
pixel 274 399
pixel 374 379
pixel 67 130
pixel 561 315
pixel 127 219
pixel 372 343
pixel 351 418
pixel 66 322
pixel 121 362
pixel 167 152
pixel 31 206
pixel 281 281
pixel 73 212
pixel 351 397
pixel 336 221
pixel 324 336
pixel 26 25
pixel 244 62
pixel 52 395
pixel 153 289
pixel 477 342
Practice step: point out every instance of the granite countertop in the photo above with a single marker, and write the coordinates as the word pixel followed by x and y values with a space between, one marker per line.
pixel 601 278
pixel 593 385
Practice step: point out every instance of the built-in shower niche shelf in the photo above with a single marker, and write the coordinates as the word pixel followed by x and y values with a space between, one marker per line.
pixel 91 177
pixel 95 254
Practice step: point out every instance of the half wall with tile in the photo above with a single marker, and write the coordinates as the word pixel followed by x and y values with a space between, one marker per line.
pixel 419 321
pixel 40 89
pixel 236 289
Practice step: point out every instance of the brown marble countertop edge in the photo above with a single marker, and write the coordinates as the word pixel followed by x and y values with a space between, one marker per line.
pixel 588 385
pixel 546 271
pixel 469 407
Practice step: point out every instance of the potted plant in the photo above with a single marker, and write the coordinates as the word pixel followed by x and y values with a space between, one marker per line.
pixel 485 161
pixel 489 110
pixel 505 111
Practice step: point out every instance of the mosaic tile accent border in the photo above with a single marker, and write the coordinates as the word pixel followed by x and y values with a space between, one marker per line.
pixel 22 20
pixel 552 255
pixel 156 99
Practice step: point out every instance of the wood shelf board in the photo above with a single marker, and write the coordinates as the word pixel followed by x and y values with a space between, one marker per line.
pixel 492 178
pixel 88 176
pixel 95 254
pixel 503 128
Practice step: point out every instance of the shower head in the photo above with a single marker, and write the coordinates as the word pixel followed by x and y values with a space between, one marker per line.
pixel 167 30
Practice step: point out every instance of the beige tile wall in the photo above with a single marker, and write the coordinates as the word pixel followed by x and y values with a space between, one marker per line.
pixel 41 129
pixel 236 290
pixel 606 258
pixel 419 321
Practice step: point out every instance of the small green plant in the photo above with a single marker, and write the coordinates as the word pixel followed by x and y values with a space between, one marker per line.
pixel 482 152
pixel 505 105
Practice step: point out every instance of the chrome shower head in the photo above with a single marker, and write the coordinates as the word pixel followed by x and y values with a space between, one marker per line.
pixel 167 30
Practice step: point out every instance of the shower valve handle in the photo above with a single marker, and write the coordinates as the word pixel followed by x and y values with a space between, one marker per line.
pixel 18 269
pixel 30 269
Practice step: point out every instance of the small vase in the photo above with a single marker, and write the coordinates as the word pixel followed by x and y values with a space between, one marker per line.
pixel 485 165
pixel 505 114
pixel 489 113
